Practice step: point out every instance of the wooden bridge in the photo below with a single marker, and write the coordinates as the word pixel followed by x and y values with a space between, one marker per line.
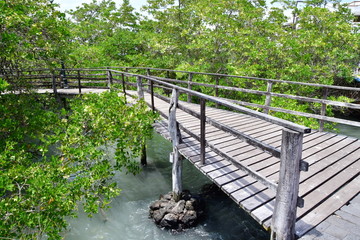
pixel 288 177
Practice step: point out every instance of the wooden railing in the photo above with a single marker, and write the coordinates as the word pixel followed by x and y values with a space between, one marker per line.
pixel 325 91
pixel 286 189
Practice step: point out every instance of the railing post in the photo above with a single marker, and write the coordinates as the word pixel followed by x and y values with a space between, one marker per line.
pixel 202 130
pixel 284 217
pixel 148 74
pixel 110 79
pixel 63 75
pixel 323 109
pixel 139 85
pixel 79 80
pixel 175 155
pixel 54 84
pixel 152 95
pixel 123 85
pixel 127 70
pixel 189 87
pixel 268 97
pixel 216 88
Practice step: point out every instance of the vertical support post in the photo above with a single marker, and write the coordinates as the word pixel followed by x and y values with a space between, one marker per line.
pixel 141 96
pixel 54 84
pixel 268 97
pixel 323 110
pixel 63 75
pixel 127 70
pixel 217 89
pixel 152 95
pixel 79 80
pixel 202 130
pixel 189 87
pixel 123 85
pixel 175 155
pixel 139 87
pixel 148 74
pixel 284 217
pixel 143 156
pixel 110 79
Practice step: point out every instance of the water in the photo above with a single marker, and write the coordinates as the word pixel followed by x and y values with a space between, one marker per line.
pixel 348 130
pixel 127 219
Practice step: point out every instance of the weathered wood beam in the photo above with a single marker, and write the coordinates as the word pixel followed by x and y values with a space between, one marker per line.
pixel 175 155
pixel 284 216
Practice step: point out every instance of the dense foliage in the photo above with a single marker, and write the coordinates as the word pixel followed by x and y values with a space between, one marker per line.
pixel 32 34
pixel 53 158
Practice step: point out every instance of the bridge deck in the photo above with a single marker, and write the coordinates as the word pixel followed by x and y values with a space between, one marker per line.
pixel 332 180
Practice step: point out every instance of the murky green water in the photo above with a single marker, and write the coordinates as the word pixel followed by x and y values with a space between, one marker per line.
pixel 128 217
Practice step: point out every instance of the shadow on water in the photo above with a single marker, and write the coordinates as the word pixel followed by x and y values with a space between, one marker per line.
pixel 127 219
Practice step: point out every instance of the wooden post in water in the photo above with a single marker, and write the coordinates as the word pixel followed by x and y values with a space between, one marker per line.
pixel 143 156
pixel 284 217
pixel 141 96
pixel 175 156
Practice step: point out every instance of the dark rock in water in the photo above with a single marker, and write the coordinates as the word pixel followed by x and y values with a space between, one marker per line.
pixel 177 216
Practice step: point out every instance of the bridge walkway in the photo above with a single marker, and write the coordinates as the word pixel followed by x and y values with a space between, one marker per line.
pixel 331 182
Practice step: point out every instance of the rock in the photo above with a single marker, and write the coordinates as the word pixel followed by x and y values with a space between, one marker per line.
pixel 158 215
pixel 179 207
pixel 177 216
pixel 168 196
pixel 189 205
pixel 190 218
pixel 155 205
pixel 170 220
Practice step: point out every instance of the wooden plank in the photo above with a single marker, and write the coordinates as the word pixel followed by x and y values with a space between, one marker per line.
pixel 246 138
pixel 334 202
pixel 229 176
pixel 270 165
pixel 251 203
pixel 313 198
pixel 333 183
pixel 242 194
pixel 338 154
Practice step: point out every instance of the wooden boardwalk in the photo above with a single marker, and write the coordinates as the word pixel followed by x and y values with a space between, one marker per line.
pixel 242 151
pixel 332 180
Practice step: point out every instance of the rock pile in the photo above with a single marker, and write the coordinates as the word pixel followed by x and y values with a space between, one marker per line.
pixel 177 216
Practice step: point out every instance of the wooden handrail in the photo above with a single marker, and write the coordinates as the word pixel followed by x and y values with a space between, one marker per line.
pixel 250 78
pixel 266 106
